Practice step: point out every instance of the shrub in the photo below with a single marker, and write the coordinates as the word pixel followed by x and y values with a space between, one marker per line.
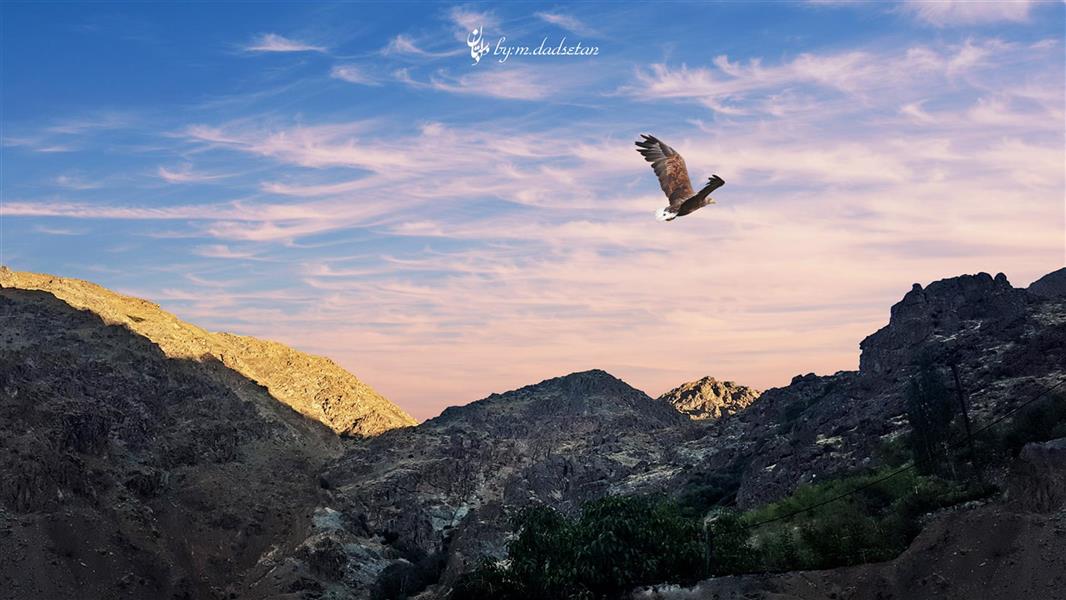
pixel 617 543
pixel 875 522
pixel 730 544
pixel 705 490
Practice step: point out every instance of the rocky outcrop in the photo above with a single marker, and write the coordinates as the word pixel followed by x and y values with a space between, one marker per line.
pixel 708 398
pixel 1038 477
pixel 941 314
pixel 1052 285
pixel 1006 344
pixel 313 386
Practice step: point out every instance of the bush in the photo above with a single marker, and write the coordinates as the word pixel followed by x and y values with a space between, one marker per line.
pixel 731 550
pixel 706 490
pixel 616 544
pixel 874 523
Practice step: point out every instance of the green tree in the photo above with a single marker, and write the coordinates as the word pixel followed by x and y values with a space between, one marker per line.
pixel 616 544
pixel 731 550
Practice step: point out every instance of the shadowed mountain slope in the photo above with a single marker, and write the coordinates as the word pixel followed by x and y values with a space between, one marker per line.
pixel 125 473
pixel 312 385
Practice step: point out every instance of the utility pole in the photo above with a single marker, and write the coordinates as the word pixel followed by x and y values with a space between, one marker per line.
pixel 962 405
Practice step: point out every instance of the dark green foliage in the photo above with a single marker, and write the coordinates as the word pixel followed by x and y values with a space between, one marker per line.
pixel 875 523
pixel 930 411
pixel 705 490
pixel 616 544
pixel 1036 423
pixel 730 541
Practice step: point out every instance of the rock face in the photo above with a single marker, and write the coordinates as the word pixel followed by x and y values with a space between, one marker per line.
pixel 125 473
pixel 708 398
pixel 142 457
pixel 940 313
pixel 1052 285
pixel 448 487
pixel 1007 345
pixel 311 385
pixel 1038 482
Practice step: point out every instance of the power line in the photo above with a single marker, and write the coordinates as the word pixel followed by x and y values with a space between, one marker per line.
pixel 907 467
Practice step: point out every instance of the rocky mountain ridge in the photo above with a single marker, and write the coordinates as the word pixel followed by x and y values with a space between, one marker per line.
pixel 407 511
pixel 312 385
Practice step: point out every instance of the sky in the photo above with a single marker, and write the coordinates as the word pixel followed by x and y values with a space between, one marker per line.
pixel 345 178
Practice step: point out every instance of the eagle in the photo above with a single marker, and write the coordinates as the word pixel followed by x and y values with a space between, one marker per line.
pixel 673 178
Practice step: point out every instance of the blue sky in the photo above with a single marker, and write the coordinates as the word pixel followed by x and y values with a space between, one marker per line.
pixel 344 178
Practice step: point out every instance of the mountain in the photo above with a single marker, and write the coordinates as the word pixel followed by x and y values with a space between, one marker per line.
pixel 446 489
pixel 708 398
pixel 125 472
pixel 1049 286
pixel 141 457
pixel 311 385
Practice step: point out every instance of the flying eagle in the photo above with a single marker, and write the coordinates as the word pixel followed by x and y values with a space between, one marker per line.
pixel 673 178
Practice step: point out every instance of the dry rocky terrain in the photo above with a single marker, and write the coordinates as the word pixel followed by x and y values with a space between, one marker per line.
pixel 142 457
pixel 311 385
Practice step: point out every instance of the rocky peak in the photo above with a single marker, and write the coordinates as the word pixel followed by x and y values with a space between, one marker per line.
pixel 945 310
pixel 586 395
pixel 708 398
pixel 1052 285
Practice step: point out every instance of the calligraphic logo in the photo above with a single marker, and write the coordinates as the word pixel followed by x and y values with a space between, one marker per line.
pixel 478 46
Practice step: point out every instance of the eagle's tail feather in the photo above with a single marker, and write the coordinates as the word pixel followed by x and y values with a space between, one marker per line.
pixel 665 214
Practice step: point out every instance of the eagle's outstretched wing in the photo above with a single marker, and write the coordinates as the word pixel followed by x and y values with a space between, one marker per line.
pixel 713 183
pixel 669 168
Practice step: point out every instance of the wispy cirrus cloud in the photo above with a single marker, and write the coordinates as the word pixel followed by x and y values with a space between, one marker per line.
pixel 353 74
pixel 57 230
pixel 567 22
pixel 223 251
pixel 70 134
pixel 515 83
pixel 404 45
pixel 273 42
pixel 76 182
pixel 951 13
pixel 466 18
pixel 752 87
pixel 186 174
